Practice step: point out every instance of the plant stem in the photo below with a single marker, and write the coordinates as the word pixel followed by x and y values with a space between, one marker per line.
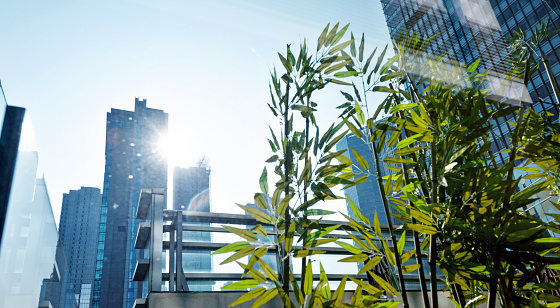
pixel 390 223
pixel 287 217
pixel 417 246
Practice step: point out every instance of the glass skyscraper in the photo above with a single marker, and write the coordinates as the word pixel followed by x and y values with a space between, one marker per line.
pixel 133 160
pixel 366 195
pixel 191 192
pixel 78 231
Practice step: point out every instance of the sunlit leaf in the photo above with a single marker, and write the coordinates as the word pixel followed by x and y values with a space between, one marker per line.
pixel 241 285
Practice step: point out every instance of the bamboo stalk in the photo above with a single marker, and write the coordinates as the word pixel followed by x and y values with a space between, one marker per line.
pixel 390 223
pixel 287 165
pixel 417 248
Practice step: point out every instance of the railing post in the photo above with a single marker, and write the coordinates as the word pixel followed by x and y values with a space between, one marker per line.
pixel 172 234
pixel 156 241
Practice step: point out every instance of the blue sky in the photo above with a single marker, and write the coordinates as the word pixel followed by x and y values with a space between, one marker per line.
pixel 206 63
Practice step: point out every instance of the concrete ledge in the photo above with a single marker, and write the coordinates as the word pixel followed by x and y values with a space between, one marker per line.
pixel 141 269
pixel 223 299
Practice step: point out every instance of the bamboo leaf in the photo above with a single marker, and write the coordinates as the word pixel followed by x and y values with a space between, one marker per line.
pixel 339 293
pixel 231 247
pixel 248 296
pixel 361 50
pixel 263 181
pixel 322 37
pixel 410 268
pixel 340 47
pixel 361 160
pixel 267 296
pixel 339 35
pixel 346 74
pixel 380 59
pixel 370 265
pixel 239 254
pixel 384 284
pixel 260 201
pixel 401 242
pixel 267 270
pixel 308 283
pixel 336 67
pixel 422 228
pixel 351 248
pixel 257 214
pixel 241 285
pixel 355 258
pixel 244 233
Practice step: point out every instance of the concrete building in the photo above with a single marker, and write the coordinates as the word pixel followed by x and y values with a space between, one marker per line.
pixel 79 231
pixel 134 158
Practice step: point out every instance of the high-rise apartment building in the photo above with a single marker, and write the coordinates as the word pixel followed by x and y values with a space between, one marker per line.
pixel 79 231
pixel 133 160
pixel 191 192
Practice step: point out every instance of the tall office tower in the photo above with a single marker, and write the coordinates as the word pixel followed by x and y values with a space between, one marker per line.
pixel 79 231
pixel 133 160
pixel 366 195
pixel 191 192
pixel 471 30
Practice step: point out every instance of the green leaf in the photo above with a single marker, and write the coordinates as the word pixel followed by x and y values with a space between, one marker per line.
pixel 408 151
pixel 283 205
pixel 377 225
pixel 326 290
pixel 355 258
pixel 318 212
pixel 370 265
pixel 267 270
pixel 260 201
pixel 361 50
pixel 345 74
pixel 383 89
pixel 231 247
pixel 402 106
pixel 336 67
pixel 339 35
pixel 289 238
pixel 259 230
pixel 353 46
pixel 473 66
pixel 257 214
pixel 339 293
pixel 384 284
pixel 322 37
pixel 388 64
pixel 391 76
pixel 410 268
pixel 248 296
pixel 267 296
pixel 285 62
pixel 360 113
pixel 304 253
pixel 241 285
pixel 361 160
pixel 408 141
pixel 354 129
pixel 239 254
pixel 380 59
pixel 308 283
pixel 340 47
pixel 422 228
pixel 272 159
pixel 244 233
pixel 351 248
pixel 394 160
pixel 263 181
pixel 401 242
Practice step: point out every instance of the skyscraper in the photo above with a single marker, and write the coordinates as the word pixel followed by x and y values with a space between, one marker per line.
pixel 191 188
pixel 191 192
pixel 133 160
pixel 79 231
pixel 366 195
pixel 470 30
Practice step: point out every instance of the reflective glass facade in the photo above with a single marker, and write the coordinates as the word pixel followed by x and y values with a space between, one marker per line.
pixel 366 195
pixel 191 191
pixel 133 160
pixel 79 229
